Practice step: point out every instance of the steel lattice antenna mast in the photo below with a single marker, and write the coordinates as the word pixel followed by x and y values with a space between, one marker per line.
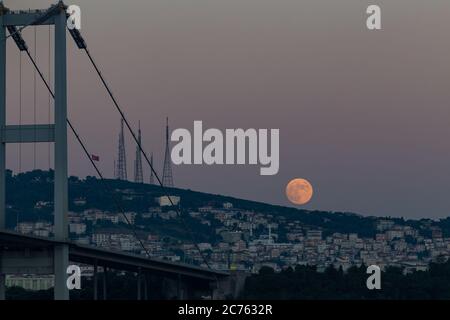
pixel 122 158
pixel 152 177
pixel 167 179
pixel 138 175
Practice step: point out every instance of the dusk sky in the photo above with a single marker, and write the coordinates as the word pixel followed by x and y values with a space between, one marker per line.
pixel 363 115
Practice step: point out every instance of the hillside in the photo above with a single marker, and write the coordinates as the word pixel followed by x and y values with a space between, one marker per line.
pixel 25 190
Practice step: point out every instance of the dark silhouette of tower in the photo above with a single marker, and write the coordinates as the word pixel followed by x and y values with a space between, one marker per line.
pixel 167 179
pixel 121 171
pixel 138 176
pixel 152 177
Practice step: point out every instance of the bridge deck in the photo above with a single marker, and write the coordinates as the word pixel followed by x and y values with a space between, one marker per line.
pixel 111 259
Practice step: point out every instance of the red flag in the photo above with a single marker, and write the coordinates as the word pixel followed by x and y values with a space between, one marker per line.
pixel 95 158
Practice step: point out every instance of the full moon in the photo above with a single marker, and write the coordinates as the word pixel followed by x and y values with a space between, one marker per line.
pixel 299 191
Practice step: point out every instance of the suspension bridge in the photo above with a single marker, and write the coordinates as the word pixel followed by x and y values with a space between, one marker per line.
pixel 23 254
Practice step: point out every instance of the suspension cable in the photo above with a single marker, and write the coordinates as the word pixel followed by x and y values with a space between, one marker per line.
pixel 163 188
pixel 88 155
pixel 191 233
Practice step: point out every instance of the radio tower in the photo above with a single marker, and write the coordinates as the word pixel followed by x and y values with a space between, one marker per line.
pixel 152 178
pixel 121 171
pixel 167 179
pixel 138 176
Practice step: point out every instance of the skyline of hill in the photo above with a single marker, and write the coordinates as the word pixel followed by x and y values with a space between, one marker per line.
pixel 39 187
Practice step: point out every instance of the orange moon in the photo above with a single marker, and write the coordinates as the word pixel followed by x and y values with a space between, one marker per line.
pixel 299 191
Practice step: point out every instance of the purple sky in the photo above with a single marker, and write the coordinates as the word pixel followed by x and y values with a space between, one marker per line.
pixel 363 115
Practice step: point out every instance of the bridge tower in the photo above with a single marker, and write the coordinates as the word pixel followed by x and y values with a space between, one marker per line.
pixel 56 132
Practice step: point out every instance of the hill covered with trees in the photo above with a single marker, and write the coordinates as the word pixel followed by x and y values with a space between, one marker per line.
pixel 25 190
pixel 305 283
